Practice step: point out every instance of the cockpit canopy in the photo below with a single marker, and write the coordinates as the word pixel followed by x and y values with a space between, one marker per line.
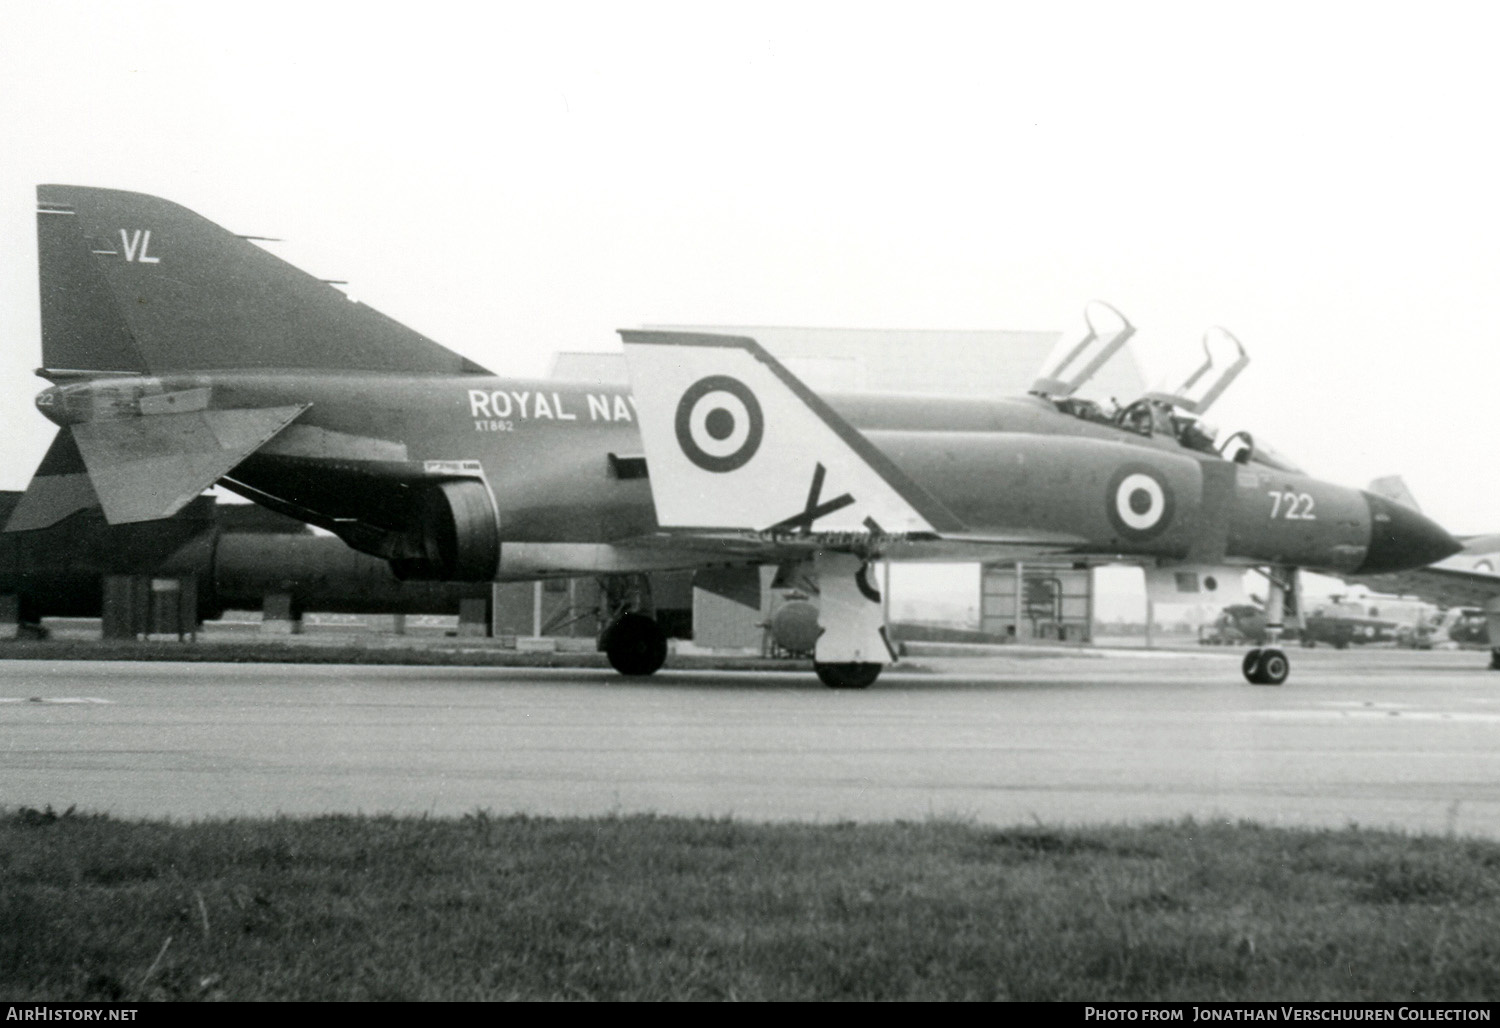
pixel 1153 417
pixel 1172 412
pixel 1242 448
pixel 1223 359
pixel 1074 362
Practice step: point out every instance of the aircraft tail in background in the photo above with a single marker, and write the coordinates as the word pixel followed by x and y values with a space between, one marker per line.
pixel 1393 488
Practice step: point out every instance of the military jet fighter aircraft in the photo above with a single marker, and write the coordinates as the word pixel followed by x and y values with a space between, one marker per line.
pixel 182 355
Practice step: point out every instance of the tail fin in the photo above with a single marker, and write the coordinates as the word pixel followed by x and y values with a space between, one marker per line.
pixel 735 441
pixel 1393 488
pixel 134 283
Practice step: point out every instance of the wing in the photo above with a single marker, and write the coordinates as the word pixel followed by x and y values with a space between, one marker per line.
pixel 735 441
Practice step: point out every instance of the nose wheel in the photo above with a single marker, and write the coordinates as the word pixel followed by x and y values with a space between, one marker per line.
pixel 1267 666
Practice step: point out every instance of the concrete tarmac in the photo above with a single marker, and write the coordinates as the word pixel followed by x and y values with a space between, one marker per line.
pixel 1379 738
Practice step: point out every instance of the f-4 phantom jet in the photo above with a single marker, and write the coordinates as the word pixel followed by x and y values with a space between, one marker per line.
pixel 182 355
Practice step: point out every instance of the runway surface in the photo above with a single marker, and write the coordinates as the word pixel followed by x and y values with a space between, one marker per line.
pixel 1378 738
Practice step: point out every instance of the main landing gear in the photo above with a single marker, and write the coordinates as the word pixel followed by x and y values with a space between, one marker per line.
pixel 850 645
pixel 635 645
pixel 632 639
pixel 844 631
pixel 848 675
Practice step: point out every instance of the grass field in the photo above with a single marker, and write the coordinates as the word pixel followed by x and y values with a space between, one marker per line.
pixel 345 908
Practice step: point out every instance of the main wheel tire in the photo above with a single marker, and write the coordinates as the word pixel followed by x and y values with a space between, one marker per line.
pixel 848 676
pixel 635 645
pixel 1495 660
pixel 1251 667
pixel 1274 667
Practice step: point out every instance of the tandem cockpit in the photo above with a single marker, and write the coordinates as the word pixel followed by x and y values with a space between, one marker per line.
pixel 1175 414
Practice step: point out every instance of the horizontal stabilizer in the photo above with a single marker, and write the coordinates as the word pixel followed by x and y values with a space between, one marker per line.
pixel 150 467
pixel 60 487
pixel 735 441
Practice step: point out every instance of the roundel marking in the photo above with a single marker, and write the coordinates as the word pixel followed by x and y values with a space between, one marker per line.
pixel 1139 502
pixel 719 423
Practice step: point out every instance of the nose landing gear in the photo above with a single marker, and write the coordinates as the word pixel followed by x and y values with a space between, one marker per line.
pixel 1267 666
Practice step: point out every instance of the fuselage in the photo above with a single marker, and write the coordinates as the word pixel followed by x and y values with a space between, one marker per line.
pixel 557 458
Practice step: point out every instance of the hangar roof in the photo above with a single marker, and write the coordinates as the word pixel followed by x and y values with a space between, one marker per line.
pixel 940 362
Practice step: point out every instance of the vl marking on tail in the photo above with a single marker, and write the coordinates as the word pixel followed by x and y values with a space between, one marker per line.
pixel 135 244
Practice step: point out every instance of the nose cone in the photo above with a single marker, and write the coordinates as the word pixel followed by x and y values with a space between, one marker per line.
pixel 1401 538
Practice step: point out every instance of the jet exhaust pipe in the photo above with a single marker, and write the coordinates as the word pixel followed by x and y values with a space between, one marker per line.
pixel 457 537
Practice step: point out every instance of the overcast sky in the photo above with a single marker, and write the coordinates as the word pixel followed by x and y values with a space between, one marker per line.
pixel 515 179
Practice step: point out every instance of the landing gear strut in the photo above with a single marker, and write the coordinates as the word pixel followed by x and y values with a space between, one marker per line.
pixel 1269 665
pixel 853 647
